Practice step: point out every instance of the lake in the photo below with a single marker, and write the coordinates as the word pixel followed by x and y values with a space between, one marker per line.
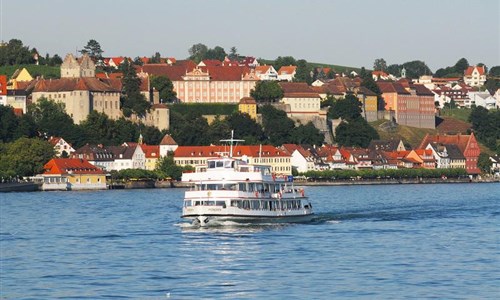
pixel 394 241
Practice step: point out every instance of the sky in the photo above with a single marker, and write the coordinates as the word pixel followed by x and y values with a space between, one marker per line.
pixel 348 32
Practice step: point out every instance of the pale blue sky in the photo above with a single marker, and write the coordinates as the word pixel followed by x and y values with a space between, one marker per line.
pixel 352 33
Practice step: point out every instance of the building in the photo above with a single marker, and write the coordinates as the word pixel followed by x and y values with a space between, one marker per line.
pixel 387 145
pixel 77 68
pixel 467 144
pixel 475 76
pixel 97 155
pixel 369 101
pixel 248 105
pixel 302 160
pixel 81 95
pixel 20 76
pixel 279 160
pixel 152 155
pixel 3 90
pixel 287 73
pixel 128 156
pixel 61 147
pixel 205 84
pixel 483 99
pixel 266 72
pixel 413 105
pixel 167 144
pixel 72 174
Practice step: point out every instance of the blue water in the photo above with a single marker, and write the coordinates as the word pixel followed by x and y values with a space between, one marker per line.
pixel 400 241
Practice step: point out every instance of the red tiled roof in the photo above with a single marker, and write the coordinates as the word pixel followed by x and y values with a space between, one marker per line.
pixel 262 69
pixel 109 75
pixel 287 70
pixel 151 151
pixel 470 69
pixel 173 73
pixel 238 151
pixel 70 166
pixel 72 84
pixel 460 140
pixel 168 140
pixel 212 62
pixel 226 73
pixel 247 100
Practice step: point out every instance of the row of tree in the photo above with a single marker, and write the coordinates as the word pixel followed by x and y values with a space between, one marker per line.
pixel 15 53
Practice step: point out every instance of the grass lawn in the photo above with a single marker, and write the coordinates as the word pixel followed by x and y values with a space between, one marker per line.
pixel 457 113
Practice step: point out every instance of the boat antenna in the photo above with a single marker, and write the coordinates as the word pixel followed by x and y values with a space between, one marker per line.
pixel 231 141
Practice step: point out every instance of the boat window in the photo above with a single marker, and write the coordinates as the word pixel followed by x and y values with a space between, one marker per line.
pixel 254 204
pixel 187 203
pixel 220 203
pixel 246 204
pixel 211 164
pixel 242 187
pixel 228 164
pixel 236 203
pixel 265 205
pixel 220 164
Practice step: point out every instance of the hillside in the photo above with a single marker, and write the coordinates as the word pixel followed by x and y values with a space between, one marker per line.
pixel 413 136
pixel 35 70
pixel 337 68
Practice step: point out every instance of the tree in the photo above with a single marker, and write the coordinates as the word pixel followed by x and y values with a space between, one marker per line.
pixel 15 53
pixel 246 128
pixel 356 132
pixel 461 65
pixel 495 71
pixel 484 163
pixel 303 73
pixel 166 167
pixel 277 126
pixel 219 129
pixel 197 52
pixel 347 108
pixel 132 100
pixel 216 53
pixel 266 91
pixel 233 53
pixel 8 123
pixel 98 128
pixel 284 61
pixel 93 49
pixel 27 156
pixel 379 64
pixel 416 68
pixel 165 88
pixel 156 58
pixel 307 134
pixel 187 130
pixel 51 117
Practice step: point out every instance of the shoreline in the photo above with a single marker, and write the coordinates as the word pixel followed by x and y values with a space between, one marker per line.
pixel 34 187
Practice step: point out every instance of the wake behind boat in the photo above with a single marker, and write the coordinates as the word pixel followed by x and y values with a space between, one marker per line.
pixel 230 189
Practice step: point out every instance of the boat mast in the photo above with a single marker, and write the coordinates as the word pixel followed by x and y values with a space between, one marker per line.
pixel 231 141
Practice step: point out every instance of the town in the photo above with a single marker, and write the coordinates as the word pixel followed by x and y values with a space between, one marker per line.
pixel 301 119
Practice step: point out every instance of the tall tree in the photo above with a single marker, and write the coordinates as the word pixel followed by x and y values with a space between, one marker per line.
pixel 132 100
pixel 380 65
pixel 93 49
pixel 246 128
pixel 197 52
pixel 156 58
pixel 233 53
pixel 284 61
pixel 307 134
pixel 277 126
pixel 266 91
pixel 27 156
pixel 216 53
pixel 355 132
pixel 165 87
pixel 15 53
pixel 348 108
pixel 303 73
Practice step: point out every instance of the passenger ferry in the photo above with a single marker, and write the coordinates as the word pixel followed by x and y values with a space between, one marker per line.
pixel 230 189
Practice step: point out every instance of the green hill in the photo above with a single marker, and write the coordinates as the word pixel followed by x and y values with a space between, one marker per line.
pixel 337 68
pixel 35 70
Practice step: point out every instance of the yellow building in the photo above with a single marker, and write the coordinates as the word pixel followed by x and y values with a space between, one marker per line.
pixel 152 154
pixel 249 106
pixel 72 174
pixel 20 75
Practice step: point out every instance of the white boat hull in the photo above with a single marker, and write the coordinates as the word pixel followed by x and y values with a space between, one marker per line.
pixel 215 220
